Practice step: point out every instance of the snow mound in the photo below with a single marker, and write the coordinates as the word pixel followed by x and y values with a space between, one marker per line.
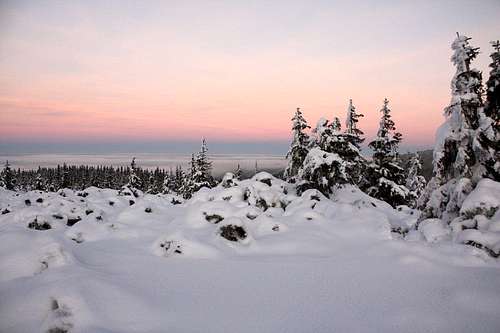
pixel 434 230
pixel 483 200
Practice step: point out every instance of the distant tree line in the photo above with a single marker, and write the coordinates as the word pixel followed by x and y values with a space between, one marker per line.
pixel 129 180
pixel 80 177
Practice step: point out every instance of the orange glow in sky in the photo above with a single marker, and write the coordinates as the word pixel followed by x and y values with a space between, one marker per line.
pixel 226 70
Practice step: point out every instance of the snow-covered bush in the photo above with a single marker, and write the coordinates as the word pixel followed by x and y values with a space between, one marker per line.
pixel 233 232
pixel 322 170
pixel 38 224
pixel 265 191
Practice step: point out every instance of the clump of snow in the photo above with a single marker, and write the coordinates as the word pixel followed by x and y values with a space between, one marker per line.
pixel 59 319
pixel 434 230
pixel 484 199
pixel 488 240
pixel 229 180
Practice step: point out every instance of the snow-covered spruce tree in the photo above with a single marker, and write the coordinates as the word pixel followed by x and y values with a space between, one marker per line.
pixel 169 183
pixel 8 178
pixel 188 187
pixel 134 182
pixel 489 137
pixel 203 175
pixel 133 179
pixel 336 127
pixel 492 104
pixel 199 173
pixel 351 124
pixel 332 140
pixel 323 168
pixel 39 184
pixel 298 148
pixel 65 181
pixel 238 172
pixel 179 178
pixel 415 182
pixel 157 179
pixel 353 139
pixel 464 186
pixel 460 154
pixel 385 177
pixel 153 187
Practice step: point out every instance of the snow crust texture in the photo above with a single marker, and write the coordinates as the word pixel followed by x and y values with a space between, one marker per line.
pixel 245 256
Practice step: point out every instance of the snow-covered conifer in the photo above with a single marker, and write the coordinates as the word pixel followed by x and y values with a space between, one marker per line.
pixel 133 179
pixel 461 154
pixel 39 183
pixel 415 182
pixel 65 181
pixel 8 178
pixel 489 136
pixel 134 182
pixel 179 178
pixel 336 126
pixel 238 172
pixel 384 175
pixel 200 173
pixel 152 186
pixel 298 148
pixel 492 103
pixel 353 138
pixel 351 124
pixel 203 175
pixel 322 170
pixel 169 183
pixel 156 180
pixel 188 188
pixel 323 167
pixel 328 135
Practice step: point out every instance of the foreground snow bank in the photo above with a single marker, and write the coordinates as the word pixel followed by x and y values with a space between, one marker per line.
pixel 479 221
pixel 247 256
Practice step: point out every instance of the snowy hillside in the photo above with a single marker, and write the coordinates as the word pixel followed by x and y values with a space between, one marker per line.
pixel 245 256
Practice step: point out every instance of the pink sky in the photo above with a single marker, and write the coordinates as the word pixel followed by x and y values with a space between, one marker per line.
pixel 170 70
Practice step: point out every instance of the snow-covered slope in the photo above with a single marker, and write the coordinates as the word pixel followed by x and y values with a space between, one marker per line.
pixel 248 257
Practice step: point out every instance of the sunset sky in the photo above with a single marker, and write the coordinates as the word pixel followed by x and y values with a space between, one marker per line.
pixel 110 72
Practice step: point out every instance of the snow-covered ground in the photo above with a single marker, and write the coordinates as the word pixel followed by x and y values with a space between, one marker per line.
pixel 252 257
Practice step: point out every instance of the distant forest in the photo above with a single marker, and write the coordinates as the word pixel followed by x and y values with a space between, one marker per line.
pixel 152 180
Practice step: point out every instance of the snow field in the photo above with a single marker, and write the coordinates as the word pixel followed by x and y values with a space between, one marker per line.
pixel 249 257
